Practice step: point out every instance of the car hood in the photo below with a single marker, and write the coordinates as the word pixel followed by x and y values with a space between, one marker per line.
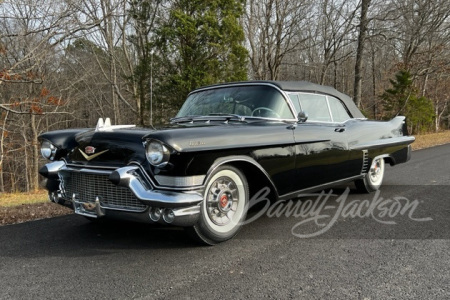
pixel 190 138
pixel 122 146
pixel 115 147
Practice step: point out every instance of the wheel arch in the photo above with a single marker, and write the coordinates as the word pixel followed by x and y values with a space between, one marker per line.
pixel 257 177
pixel 389 159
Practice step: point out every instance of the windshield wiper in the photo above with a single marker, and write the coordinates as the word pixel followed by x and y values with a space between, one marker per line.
pixel 210 117
pixel 229 116
pixel 184 119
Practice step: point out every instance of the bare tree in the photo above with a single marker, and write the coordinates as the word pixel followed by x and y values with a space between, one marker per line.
pixel 363 24
pixel 333 33
pixel 274 29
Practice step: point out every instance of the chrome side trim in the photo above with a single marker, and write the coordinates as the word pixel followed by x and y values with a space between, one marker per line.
pixel 298 193
pixel 396 141
pixel 180 181
pixel 365 162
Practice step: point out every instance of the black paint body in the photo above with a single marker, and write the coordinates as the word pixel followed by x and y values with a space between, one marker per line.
pixel 290 156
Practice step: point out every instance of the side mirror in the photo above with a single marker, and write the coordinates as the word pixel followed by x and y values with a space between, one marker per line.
pixel 302 117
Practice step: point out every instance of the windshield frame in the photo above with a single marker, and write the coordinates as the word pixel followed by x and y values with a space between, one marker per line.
pixel 230 85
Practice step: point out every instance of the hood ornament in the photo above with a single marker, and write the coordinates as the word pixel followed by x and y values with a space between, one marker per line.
pixel 106 125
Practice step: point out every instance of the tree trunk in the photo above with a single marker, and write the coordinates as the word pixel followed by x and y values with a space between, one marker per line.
pixel 2 154
pixel 374 86
pixel 360 51
pixel 34 182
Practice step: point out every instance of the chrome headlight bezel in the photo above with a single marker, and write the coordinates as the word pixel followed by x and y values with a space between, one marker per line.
pixel 48 150
pixel 157 153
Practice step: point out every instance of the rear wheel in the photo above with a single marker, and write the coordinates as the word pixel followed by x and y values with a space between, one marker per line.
pixel 373 179
pixel 224 207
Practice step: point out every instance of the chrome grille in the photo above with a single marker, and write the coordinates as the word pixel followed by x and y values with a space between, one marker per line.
pixel 89 186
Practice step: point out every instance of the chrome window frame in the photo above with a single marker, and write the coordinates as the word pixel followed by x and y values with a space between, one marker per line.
pixel 328 106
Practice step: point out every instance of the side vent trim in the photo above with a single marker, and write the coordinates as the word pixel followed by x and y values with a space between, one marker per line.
pixel 365 165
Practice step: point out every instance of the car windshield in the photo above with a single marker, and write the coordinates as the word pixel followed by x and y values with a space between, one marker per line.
pixel 249 101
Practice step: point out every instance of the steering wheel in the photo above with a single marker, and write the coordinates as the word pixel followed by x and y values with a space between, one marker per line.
pixel 271 111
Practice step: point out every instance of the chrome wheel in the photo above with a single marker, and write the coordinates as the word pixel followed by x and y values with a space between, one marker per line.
pixel 224 206
pixel 222 201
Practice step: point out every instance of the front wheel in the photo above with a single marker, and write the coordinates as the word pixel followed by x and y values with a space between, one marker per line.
pixel 224 206
pixel 373 179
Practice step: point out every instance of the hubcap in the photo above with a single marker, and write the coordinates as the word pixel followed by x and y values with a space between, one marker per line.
pixel 376 171
pixel 222 201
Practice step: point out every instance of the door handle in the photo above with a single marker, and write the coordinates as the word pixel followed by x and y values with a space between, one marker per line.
pixel 340 129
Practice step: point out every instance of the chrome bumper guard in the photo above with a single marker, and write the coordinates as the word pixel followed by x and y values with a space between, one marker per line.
pixel 128 177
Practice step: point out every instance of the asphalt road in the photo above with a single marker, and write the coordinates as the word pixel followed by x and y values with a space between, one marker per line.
pixel 398 248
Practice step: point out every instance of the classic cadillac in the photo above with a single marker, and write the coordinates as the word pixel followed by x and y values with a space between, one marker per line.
pixel 227 142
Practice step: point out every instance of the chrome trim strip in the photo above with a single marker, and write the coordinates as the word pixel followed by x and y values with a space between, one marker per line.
pixel 180 181
pixel 365 162
pixel 89 166
pixel 395 141
pixel 88 171
pixel 296 194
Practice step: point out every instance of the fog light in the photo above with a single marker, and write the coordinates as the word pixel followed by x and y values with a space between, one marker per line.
pixel 155 214
pixel 168 216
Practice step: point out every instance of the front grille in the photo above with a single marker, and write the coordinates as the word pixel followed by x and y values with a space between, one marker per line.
pixel 88 187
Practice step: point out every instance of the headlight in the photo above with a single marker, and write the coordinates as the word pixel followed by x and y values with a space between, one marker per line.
pixel 48 150
pixel 157 153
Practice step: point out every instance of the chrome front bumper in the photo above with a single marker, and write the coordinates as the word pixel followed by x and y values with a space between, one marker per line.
pixel 182 206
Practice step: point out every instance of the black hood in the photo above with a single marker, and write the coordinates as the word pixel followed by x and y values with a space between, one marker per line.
pixel 221 135
pixel 123 146
pixel 117 147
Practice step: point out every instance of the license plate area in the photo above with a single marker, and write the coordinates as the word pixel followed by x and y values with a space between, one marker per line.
pixel 88 209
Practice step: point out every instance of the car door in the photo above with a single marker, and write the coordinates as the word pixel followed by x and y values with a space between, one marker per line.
pixel 321 146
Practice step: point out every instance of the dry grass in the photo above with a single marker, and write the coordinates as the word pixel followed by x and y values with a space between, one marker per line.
pixel 22 207
pixel 27 212
pixel 430 140
pixel 14 199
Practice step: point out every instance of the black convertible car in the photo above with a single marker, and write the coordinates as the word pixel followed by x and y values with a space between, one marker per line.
pixel 227 142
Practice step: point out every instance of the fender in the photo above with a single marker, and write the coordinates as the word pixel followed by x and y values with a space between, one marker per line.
pixel 238 158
